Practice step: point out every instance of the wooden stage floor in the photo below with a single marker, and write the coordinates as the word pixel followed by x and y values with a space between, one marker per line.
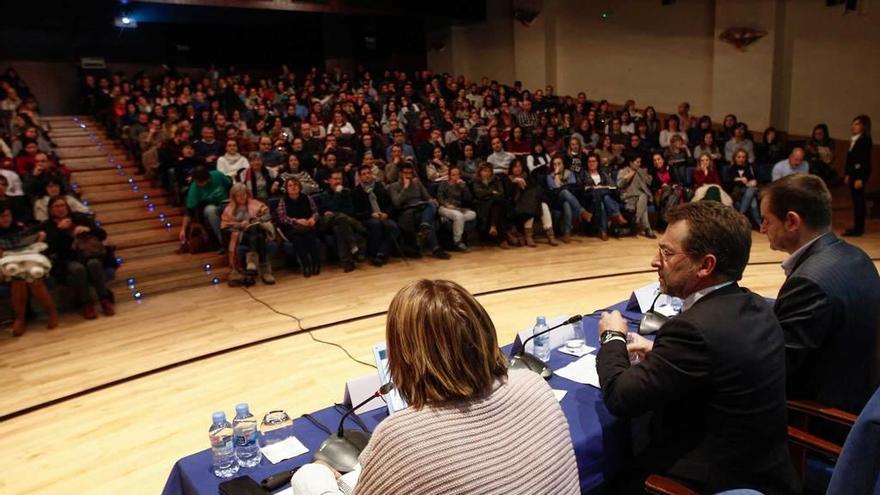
pixel 108 406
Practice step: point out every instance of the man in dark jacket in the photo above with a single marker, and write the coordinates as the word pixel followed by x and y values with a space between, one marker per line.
pixel 829 305
pixel 373 207
pixel 337 218
pixel 714 378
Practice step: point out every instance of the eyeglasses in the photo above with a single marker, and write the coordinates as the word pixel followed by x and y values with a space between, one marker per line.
pixel 666 254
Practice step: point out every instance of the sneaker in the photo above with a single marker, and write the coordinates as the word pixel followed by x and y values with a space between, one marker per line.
pixel 440 254
pixel 461 246
pixel 650 234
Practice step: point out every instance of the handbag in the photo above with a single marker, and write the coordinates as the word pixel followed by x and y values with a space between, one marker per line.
pixel 87 246
pixel 197 238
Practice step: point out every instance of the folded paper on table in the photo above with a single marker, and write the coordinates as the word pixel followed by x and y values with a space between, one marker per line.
pixel 581 371
pixel 577 351
pixel 288 448
pixel 642 298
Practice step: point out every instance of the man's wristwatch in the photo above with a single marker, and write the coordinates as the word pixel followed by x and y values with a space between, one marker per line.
pixel 610 335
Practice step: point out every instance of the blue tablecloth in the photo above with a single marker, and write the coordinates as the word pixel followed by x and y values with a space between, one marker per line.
pixel 601 441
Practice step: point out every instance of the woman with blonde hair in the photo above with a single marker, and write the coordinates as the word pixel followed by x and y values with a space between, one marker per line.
pixel 708 182
pixel 445 362
pixel 248 221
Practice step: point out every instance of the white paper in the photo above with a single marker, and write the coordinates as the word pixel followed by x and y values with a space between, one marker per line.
pixel 581 371
pixel 288 448
pixel 578 351
pixel 560 394
pixel 666 305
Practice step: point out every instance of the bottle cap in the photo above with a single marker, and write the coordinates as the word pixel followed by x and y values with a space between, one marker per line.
pixel 218 417
pixel 242 409
pixel 541 320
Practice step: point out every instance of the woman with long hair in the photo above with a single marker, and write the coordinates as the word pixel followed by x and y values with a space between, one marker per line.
pixel 246 219
pixel 445 363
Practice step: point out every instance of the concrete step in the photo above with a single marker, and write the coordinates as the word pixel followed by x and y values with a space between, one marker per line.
pixel 73 141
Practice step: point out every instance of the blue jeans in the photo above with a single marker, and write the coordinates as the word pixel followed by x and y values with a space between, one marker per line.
pixel 571 207
pixel 606 206
pixel 428 222
pixel 749 201
pixel 212 217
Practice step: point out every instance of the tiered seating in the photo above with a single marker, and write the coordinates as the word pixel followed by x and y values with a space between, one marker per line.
pixel 147 248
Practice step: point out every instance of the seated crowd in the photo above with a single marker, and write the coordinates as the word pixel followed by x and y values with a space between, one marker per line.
pixel 41 217
pixel 401 164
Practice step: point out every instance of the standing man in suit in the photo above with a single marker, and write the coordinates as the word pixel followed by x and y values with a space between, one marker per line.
pixel 714 378
pixel 829 305
pixel 858 171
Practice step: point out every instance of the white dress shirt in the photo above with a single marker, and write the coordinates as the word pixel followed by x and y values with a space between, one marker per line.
pixel 696 296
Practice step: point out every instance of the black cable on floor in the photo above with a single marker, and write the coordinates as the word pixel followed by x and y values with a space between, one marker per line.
pixel 299 324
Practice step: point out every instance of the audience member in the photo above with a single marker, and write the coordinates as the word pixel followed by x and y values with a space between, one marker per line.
pixel 297 219
pixel 794 164
pixel 13 236
pixel 454 197
pixel 54 189
pixel 744 186
pixel 417 210
pixel 206 193
pixel 78 256
pixel 634 183
pixel 337 218
pixel 373 207
pixel 598 187
pixel 248 222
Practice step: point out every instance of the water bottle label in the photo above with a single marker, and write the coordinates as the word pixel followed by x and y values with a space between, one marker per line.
pixel 246 438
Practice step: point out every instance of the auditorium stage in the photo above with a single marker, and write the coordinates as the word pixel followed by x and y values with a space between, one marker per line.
pixel 108 406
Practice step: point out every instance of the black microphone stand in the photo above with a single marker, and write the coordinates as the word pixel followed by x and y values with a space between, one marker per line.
pixel 341 449
pixel 523 360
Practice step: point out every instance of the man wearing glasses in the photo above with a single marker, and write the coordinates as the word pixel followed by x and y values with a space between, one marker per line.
pixel 714 377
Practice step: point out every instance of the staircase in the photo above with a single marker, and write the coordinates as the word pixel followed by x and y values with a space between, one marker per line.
pixel 100 170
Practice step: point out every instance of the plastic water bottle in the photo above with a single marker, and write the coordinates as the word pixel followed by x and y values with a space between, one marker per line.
pixel 542 342
pixel 222 451
pixel 244 428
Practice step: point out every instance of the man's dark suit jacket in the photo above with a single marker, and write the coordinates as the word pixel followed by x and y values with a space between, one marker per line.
pixel 715 383
pixel 829 309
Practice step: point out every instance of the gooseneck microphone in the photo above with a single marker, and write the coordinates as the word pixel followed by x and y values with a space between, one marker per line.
pixel 341 449
pixel 383 390
pixel 524 360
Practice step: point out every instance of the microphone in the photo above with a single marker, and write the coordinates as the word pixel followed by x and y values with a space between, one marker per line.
pixel 652 320
pixel 524 360
pixel 341 449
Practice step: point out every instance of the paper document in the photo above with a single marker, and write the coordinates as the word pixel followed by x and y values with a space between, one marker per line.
pixel 665 305
pixel 560 394
pixel 581 371
pixel 288 448
pixel 576 352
